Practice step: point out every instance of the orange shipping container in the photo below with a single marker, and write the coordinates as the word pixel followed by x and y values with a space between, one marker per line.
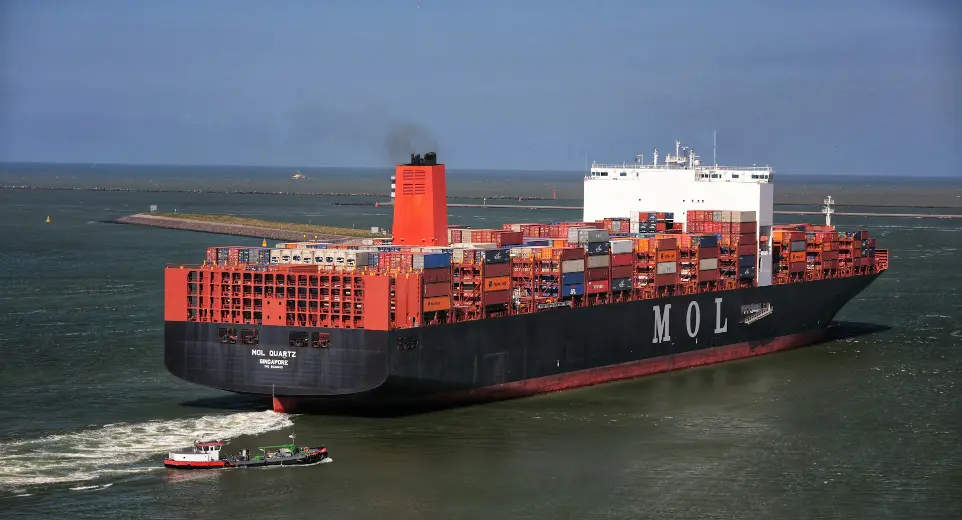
pixel 439 303
pixel 501 283
pixel 667 256
pixel 797 256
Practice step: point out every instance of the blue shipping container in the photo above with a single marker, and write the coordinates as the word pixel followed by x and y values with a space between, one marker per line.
pixel 435 260
pixel 707 241
pixel 573 278
pixel 746 260
pixel 598 248
pixel 577 289
pixel 496 256
pixel 620 284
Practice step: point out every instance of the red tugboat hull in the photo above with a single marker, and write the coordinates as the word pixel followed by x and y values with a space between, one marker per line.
pixel 213 464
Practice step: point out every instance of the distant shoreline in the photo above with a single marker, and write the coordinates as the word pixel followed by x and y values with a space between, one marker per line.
pixel 386 196
pixel 245 227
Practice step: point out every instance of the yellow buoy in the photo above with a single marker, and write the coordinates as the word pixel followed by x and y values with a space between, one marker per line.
pixel 264 243
pixel 48 218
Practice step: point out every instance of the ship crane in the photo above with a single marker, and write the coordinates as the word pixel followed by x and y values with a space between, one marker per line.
pixel 828 210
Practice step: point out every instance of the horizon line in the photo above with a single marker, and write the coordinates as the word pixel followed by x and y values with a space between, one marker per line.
pixel 281 166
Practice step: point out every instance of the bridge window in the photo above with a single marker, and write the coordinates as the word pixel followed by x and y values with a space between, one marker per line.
pixel 249 337
pixel 298 339
pixel 320 339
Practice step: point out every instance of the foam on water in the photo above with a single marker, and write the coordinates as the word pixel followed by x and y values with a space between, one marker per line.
pixel 118 449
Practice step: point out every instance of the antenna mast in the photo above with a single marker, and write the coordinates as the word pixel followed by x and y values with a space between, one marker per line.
pixel 828 210
pixel 714 147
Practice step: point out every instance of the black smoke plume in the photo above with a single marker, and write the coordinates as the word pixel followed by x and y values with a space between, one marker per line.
pixel 406 138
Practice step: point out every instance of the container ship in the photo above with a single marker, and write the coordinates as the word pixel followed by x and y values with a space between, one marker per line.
pixel 673 265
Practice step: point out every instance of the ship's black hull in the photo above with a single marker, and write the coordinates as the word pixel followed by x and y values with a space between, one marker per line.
pixel 512 356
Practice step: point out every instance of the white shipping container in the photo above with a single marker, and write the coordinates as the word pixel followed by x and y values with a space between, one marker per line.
pixel 621 246
pixel 743 216
pixel 726 216
pixel 634 216
pixel 667 268
pixel 708 264
pixel 457 256
pixel 590 235
pixel 599 261
pixel 573 233
pixel 514 227
pixel 633 227
pixel 573 266
pixel 302 256
pixel 280 256
pixel 358 258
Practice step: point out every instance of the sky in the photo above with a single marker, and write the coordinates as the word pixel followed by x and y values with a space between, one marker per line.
pixel 859 87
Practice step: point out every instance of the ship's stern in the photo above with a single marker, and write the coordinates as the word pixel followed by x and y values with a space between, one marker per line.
pixel 276 360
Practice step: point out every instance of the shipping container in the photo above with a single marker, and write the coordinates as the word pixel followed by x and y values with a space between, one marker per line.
pixel 796 256
pixel 742 216
pixel 621 246
pixel 432 290
pixel 621 271
pixel 798 245
pixel 501 283
pixel 620 284
pixel 572 290
pixel 495 256
pixel 573 278
pixel 666 268
pixel 596 287
pixel 622 259
pixel 495 270
pixel 708 264
pixel 597 273
pixel 496 298
pixel 598 248
pixel 588 235
pixel 598 261
pixel 667 256
pixel 438 303
pixel 440 274
pixel 573 266
pixel 746 260
pixel 746 272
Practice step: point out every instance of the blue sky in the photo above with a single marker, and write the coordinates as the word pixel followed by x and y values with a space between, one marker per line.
pixel 809 87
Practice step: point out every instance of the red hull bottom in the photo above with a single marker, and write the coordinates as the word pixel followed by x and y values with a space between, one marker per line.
pixel 176 464
pixel 610 373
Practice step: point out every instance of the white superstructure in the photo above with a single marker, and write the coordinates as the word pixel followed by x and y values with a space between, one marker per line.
pixel 679 184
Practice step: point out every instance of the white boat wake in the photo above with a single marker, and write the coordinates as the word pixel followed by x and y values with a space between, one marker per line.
pixel 117 449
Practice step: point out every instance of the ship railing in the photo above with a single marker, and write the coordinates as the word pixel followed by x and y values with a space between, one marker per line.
pixel 639 166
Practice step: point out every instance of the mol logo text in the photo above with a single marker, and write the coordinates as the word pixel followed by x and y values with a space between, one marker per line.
pixel 692 321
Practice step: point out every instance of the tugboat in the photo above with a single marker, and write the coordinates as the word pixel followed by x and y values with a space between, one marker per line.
pixel 206 455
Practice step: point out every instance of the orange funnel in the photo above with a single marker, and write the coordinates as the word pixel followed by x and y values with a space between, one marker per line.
pixel 420 203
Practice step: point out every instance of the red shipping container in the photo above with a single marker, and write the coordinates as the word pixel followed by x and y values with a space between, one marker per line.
pixel 708 252
pixel 496 297
pixel 622 259
pixel 708 276
pixel 439 274
pixel 494 270
pixel 746 249
pixel 621 271
pixel 572 253
pixel 665 244
pixel 432 290
pixel 597 287
pixel 596 274
pixel 666 279
pixel 745 227
pixel 747 238
pixel 797 267
pixel 509 238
